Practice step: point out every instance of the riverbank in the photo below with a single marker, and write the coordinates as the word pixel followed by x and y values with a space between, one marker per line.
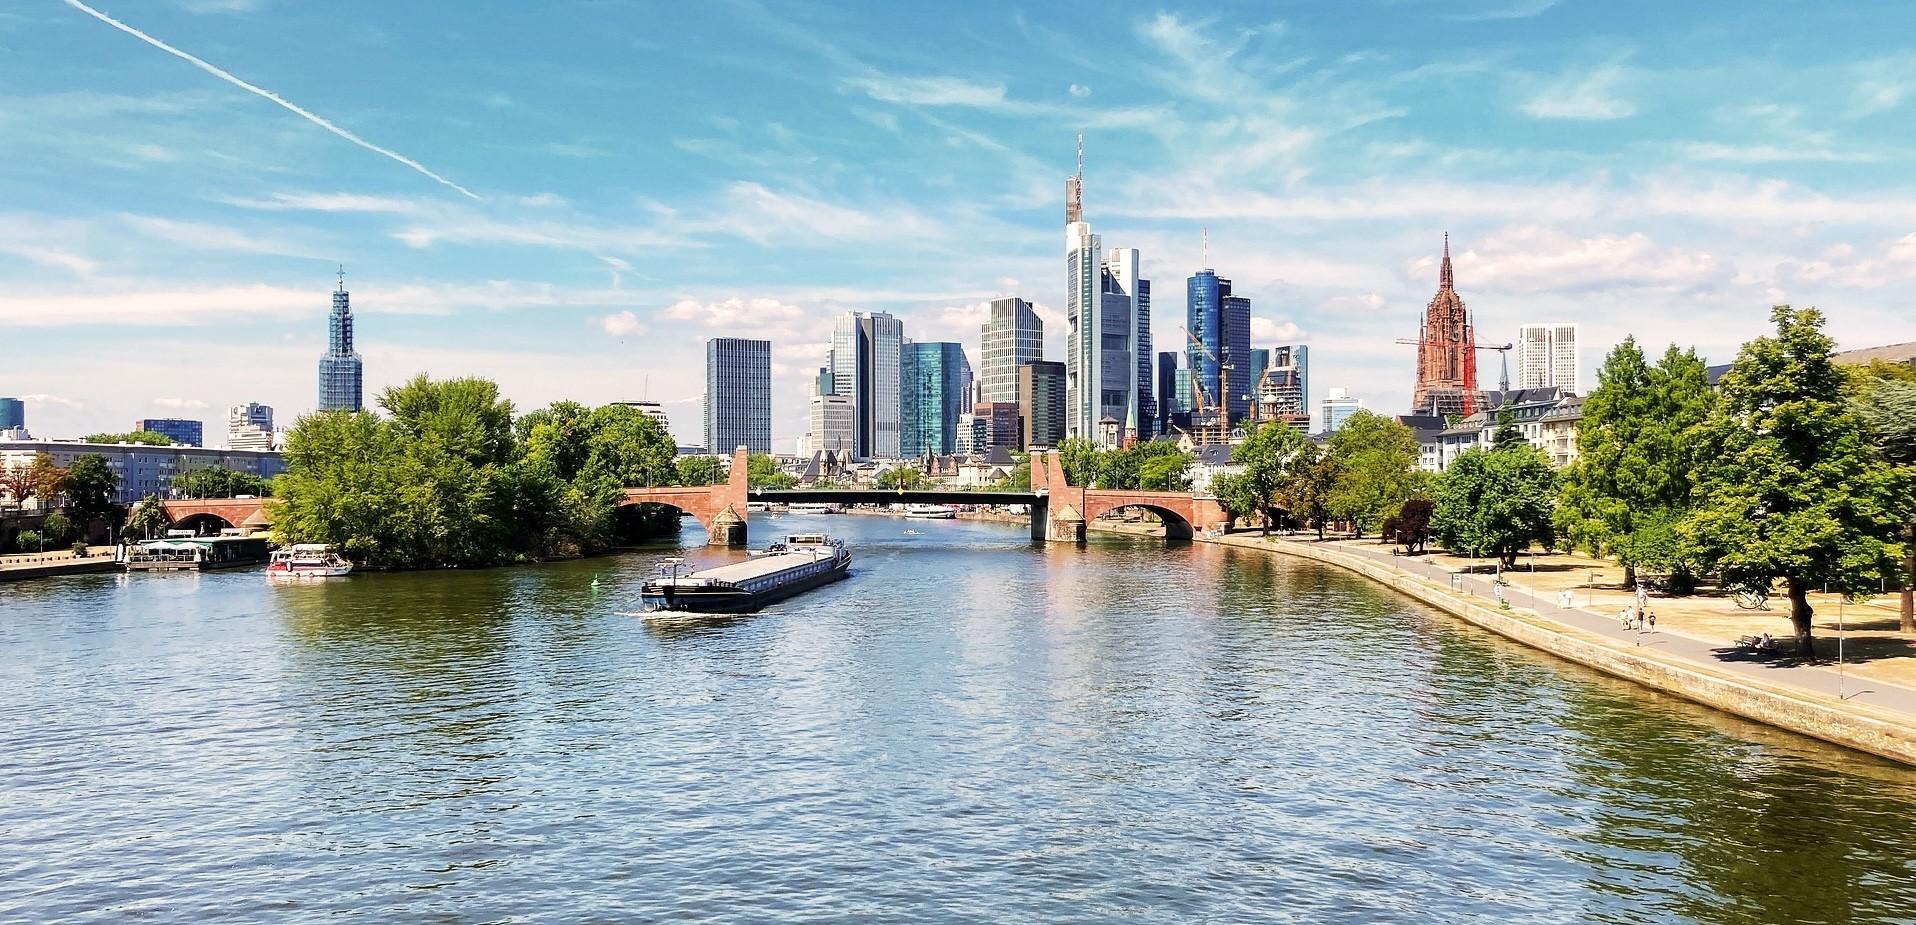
pixel 1817 701
pixel 52 564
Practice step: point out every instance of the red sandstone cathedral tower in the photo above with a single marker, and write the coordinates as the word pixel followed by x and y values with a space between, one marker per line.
pixel 1446 352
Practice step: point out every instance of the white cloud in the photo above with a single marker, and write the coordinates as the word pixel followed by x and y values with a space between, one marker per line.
pixel 1080 91
pixel 44 399
pixel 179 404
pixel 1265 330
pixel 331 202
pixel 742 315
pixel 58 259
pixel 1590 96
pixel 622 324
pixel 929 91
pixel 1535 258
pixel 1773 154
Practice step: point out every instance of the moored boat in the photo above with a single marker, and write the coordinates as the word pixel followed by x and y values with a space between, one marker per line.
pixel 929 511
pixel 798 563
pixel 307 560
pixel 198 553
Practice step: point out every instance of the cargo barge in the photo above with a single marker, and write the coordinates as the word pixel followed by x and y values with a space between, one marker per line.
pixel 801 562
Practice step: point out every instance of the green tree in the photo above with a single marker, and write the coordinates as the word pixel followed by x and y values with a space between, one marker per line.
pixel 1266 457
pixel 29 541
pixel 1507 431
pixel 1631 482
pixel 762 472
pixel 700 470
pixel 1083 461
pixel 142 437
pixel 58 529
pixel 1166 471
pixel 1889 404
pixel 1377 470
pixel 1310 480
pixel 220 482
pixel 89 486
pixel 148 519
pixel 1790 486
pixel 1126 468
pixel 1496 502
pixel 903 478
pixel 1237 493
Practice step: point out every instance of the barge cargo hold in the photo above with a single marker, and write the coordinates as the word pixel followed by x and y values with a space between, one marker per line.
pixel 802 562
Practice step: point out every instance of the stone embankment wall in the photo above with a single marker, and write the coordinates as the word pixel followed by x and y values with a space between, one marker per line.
pixel 1848 724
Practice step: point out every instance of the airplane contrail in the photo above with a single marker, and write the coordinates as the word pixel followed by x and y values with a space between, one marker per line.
pixel 318 120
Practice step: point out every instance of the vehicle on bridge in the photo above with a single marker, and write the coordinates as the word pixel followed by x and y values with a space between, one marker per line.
pixel 800 562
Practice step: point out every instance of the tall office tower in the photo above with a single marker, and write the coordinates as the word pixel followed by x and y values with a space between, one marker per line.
pixel 937 377
pixel 1041 403
pixel 1167 393
pixel 1187 396
pixel 178 430
pixel 867 354
pixel 1222 321
pixel 1102 299
pixel 1446 351
pixel 1147 403
pixel 1011 337
pixel 1338 408
pixel 1260 361
pixel 831 426
pixel 1001 425
pixel 251 414
pixel 1548 356
pixel 13 413
pixel 738 395
pixel 340 372
pixel 822 382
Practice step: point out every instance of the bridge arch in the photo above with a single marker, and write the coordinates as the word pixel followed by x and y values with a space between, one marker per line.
pixel 1177 524
pixel 203 522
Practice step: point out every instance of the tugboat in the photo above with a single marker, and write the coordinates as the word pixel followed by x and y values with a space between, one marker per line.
pixel 800 562
pixel 307 560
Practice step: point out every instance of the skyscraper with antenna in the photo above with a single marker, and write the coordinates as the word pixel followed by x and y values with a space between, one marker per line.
pixel 1107 305
pixel 340 372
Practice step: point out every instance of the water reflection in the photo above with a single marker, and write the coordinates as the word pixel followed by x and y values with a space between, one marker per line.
pixel 972 727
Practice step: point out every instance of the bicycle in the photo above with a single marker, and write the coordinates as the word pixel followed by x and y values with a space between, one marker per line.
pixel 1753 598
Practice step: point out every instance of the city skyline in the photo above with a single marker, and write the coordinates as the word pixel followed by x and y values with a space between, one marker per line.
pixel 160 211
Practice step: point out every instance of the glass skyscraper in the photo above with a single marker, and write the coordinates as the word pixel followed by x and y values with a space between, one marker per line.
pixel 1223 322
pixel 738 395
pixel 340 374
pixel 1147 405
pixel 179 430
pixel 1012 337
pixel 1104 297
pixel 1167 393
pixel 935 378
pixel 867 367
pixel 13 413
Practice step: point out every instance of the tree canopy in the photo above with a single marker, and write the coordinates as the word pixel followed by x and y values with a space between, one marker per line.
pixel 1790 485
pixel 1376 470
pixel 143 437
pixel 1632 480
pixel 1496 502
pixel 451 479
pixel 89 485
pixel 220 482
pixel 762 471
pixel 1266 456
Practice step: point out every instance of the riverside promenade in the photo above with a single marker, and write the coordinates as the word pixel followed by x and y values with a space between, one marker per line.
pixel 1824 701
pixel 61 562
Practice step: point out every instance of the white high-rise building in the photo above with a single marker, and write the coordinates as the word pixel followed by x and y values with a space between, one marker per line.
pixel 1103 298
pixel 1338 408
pixel 831 425
pixel 249 427
pixel 1547 355
pixel 867 351
pixel 1010 338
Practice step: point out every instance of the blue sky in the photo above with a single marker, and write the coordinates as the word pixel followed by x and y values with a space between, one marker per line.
pixel 570 197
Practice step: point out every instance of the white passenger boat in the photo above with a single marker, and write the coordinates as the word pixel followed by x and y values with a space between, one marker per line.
pixel 812 507
pixel 800 562
pixel 307 560
pixel 929 511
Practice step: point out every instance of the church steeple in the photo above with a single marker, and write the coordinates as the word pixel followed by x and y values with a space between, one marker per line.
pixel 1444 280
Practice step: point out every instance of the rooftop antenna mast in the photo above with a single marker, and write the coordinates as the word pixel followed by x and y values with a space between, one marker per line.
pixel 1080 157
pixel 1206 264
pixel 342 277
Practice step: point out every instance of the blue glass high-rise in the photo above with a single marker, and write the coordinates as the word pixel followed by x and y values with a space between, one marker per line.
pixel 934 379
pixel 1223 322
pixel 340 373
pixel 13 413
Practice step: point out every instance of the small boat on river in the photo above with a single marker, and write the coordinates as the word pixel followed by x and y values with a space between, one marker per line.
pixel 800 562
pixel 307 560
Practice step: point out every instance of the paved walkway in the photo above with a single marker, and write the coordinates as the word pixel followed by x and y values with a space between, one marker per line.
pixel 1818 680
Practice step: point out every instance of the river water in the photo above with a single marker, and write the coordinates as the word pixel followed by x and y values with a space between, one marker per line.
pixel 970 729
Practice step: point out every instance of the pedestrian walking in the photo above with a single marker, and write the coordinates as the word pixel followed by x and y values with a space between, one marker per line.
pixel 1653 619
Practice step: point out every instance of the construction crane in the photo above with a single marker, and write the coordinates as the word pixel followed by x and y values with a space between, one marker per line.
pixel 1470 369
pixel 1224 385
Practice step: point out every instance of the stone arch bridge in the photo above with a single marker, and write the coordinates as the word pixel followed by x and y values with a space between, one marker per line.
pixel 1059 510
